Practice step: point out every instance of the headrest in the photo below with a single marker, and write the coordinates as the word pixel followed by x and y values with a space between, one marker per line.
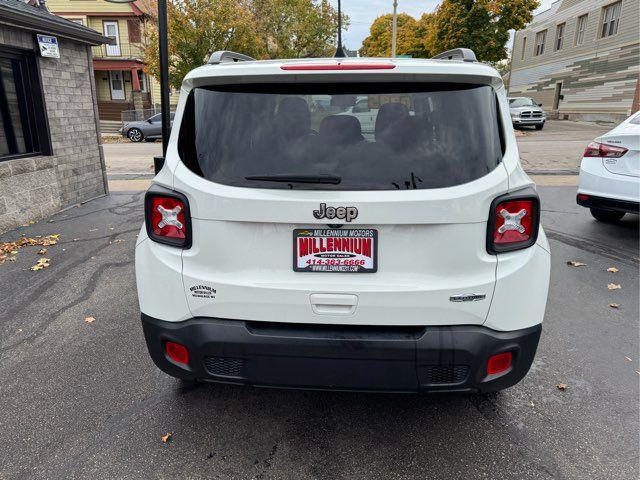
pixel 341 129
pixel 293 118
pixel 392 117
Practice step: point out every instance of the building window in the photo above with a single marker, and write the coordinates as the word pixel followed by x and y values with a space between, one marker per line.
pixel 610 19
pixel 111 30
pixel 559 37
pixel 581 26
pixel 541 37
pixel 524 48
pixel 23 127
pixel 79 21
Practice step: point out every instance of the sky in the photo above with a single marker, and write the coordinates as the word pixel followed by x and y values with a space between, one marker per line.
pixel 362 13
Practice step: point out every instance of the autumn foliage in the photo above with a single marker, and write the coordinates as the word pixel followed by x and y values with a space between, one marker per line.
pixel 258 28
pixel 482 25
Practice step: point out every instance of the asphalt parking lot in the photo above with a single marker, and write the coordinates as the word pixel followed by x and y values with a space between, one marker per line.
pixel 84 400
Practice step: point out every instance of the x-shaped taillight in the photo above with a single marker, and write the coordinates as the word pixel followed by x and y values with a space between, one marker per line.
pixel 169 217
pixel 512 221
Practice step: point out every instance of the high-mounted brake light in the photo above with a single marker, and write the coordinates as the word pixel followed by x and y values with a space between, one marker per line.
pixel 339 66
pixel 595 149
pixel 513 222
pixel 167 218
pixel 499 363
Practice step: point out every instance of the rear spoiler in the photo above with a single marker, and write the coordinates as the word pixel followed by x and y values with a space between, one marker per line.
pixel 464 54
pixel 227 56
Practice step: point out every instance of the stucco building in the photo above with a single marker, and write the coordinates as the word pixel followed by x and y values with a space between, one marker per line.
pixel 50 156
pixel 580 59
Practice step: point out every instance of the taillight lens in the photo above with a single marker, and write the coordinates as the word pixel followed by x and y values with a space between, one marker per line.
pixel 499 363
pixel 513 223
pixel 177 352
pixel 595 149
pixel 167 218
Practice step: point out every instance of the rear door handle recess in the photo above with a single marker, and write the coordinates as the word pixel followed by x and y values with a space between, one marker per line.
pixel 333 303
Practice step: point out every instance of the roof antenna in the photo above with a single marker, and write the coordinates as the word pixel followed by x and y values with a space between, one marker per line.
pixel 339 51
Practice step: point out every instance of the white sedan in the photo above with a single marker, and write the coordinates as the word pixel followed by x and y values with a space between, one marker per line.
pixel 610 172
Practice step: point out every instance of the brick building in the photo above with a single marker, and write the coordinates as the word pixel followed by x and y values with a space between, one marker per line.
pixel 50 153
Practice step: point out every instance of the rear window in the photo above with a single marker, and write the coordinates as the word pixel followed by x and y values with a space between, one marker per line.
pixel 342 136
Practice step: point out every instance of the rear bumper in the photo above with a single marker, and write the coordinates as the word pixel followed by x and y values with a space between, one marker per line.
pixel 403 359
pixel 607 190
pixel 608 204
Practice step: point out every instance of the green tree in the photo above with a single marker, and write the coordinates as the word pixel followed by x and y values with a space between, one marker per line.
pixel 197 28
pixel 481 25
pixel 409 38
pixel 296 28
pixel 259 28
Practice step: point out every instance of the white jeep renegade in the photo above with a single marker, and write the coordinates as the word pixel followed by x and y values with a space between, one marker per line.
pixel 287 246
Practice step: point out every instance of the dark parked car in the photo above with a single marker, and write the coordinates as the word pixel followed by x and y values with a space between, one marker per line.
pixel 148 130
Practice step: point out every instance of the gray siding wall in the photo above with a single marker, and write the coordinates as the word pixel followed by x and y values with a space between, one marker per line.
pixel 36 187
pixel 599 77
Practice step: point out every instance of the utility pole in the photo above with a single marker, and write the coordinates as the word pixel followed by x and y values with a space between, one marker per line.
pixel 163 47
pixel 394 35
pixel 339 51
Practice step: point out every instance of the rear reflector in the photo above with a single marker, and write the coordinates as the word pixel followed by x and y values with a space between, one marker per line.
pixel 595 149
pixel 167 218
pixel 582 197
pixel 177 352
pixel 340 66
pixel 499 363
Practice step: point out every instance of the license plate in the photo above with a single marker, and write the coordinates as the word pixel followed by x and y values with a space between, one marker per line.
pixel 335 250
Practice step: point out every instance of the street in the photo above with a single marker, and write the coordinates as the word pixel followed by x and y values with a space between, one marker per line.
pixel 84 400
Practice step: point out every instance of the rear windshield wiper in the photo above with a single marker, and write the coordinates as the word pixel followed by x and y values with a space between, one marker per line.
pixel 297 178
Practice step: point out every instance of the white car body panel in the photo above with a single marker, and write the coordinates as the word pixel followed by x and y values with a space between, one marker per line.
pixel 614 178
pixel 242 236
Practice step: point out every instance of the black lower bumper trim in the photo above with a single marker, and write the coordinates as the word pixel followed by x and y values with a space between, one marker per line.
pixel 410 359
pixel 608 204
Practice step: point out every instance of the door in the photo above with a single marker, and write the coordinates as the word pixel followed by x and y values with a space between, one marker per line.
pixel 155 126
pixel 398 237
pixel 111 31
pixel 116 83
pixel 557 96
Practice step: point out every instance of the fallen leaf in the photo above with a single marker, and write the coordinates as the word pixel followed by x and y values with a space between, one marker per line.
pixel 614 305
pixel 12 259
pixel 638 371
pixel 42 263
pixel 166 438
pixel 561 386
pixel 89 319
pixel 573 263
pixel 628 359
pixel 612 270
pixel 42 251
pixel 532 404
pixel 614 286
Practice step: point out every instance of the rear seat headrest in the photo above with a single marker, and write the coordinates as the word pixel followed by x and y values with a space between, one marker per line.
pixel 393 124
pixel 293 118
pixel 341 129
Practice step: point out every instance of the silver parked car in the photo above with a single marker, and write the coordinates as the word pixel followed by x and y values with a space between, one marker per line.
pixel 148 130
pixel 525 112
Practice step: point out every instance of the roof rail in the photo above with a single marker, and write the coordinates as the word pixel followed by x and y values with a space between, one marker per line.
pixel 226 56
pixel 464 54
